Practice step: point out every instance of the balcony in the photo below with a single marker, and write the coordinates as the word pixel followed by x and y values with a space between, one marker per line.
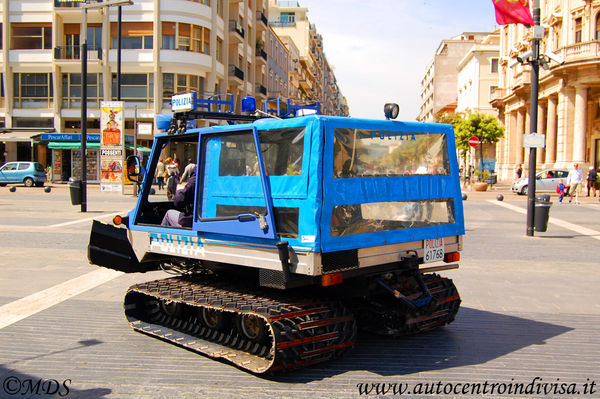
pixel 237 31
pixel 261 56
pixel 260 17
pixel 582 51
pixel 236 73
pixel 282 23
pixel 497 95
pixel 73 52
pixel 261 90
pixel 288 4
pixel 68 4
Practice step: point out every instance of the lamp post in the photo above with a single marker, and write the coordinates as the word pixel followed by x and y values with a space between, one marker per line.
pixel 538 34
pixel 83 56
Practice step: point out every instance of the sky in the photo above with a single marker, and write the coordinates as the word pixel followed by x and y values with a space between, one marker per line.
pixel 379 49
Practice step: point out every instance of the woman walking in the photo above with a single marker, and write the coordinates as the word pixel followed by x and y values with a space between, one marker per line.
pixel 173 177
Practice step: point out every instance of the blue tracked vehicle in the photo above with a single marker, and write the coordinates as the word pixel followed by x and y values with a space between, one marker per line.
pixel 303 230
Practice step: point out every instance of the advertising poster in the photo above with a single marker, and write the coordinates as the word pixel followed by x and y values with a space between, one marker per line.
pixel 111 145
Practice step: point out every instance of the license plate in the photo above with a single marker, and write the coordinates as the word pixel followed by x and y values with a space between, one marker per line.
pixel 434 250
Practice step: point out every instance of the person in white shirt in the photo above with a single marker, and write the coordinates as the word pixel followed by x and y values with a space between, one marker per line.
pixel 187 172
pixel 574 181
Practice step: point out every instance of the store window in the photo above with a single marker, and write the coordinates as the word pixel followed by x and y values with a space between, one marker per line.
pixel 137 89
pixel 32 90
pixel 578 30
pixel 71 90
pixel 31 36
pixel 134 35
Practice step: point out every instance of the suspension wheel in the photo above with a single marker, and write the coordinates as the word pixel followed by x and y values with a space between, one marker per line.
pixel 213 318
pixel 171 308
pixel 252 327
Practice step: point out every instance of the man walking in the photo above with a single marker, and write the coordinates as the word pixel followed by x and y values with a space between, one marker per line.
pixel 574 181
pixel 592 178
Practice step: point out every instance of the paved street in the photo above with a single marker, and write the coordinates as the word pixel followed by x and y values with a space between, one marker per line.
pixel 530 309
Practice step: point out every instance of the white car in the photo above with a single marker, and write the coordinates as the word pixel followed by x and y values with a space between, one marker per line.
pixel 545 181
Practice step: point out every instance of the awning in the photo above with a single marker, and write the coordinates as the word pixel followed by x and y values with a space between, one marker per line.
pixel 23 136
pixel 75 145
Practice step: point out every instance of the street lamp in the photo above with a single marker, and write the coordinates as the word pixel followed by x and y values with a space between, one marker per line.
pixel 83 56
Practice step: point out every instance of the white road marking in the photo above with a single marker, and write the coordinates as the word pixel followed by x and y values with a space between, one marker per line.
pixel 552 220
pixel 22 308
pixel 84 220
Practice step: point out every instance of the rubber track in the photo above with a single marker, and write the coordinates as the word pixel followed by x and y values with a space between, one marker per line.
pixel 300 332
pixel 394 322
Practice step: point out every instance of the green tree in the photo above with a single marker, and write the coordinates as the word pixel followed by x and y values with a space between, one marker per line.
pixel 485 127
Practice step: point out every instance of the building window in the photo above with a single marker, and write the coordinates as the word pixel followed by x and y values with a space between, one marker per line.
pixel 492 90
pixel 185 37
pixel 288 17
pixel 494 65
pixel 71 47
pixel 180 83
pixel 31 36
pixel 137 89
pixel 597 26
pixel 71 90
pixel 1 41
pixel 1 91
pixel 220 8
pixel 220 50
pixel 134 35
pixel 578 22
pixel 33 90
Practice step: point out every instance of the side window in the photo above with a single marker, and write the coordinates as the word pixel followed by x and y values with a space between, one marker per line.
pixel 167 174
pixel 23 166
pixel 10 166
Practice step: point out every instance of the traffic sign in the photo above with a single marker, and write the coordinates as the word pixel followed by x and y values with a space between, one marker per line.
pixel 474 141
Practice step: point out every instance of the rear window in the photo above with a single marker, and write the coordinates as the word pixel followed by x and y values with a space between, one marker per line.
pixel 38 167
pixel 372 153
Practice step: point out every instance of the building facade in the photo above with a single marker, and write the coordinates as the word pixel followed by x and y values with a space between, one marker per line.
pixel 477 80
pixel 214 47
pixel 569 93
pixel 312 75
pixel 440 82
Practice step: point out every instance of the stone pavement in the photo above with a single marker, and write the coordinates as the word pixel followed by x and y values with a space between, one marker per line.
pixel 530 310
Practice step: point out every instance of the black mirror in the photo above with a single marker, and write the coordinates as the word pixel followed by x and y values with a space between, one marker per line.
pixel 134 169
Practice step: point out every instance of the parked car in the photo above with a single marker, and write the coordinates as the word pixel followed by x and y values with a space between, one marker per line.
pixel 28 173
pixel 545 181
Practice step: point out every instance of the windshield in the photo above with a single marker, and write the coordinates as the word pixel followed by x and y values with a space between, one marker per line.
pixel 371 153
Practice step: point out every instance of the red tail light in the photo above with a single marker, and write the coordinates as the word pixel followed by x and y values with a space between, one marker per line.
pixel 452 257
pixel 331 279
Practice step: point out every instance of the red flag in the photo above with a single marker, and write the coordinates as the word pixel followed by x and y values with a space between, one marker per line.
pixel 513 12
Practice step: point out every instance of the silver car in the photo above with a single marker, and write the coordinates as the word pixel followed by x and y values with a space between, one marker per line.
pixel 545 181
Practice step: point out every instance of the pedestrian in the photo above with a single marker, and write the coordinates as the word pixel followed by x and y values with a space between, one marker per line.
pixel 560 189
pixel 592 181
pixel 160 174
pixel 519 171
pixel 187 172
pixel 172 177
pixel 574 180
